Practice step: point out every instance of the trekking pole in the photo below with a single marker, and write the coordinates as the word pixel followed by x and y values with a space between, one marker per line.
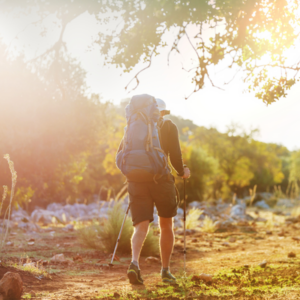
pixel 184 219
pixel 117 243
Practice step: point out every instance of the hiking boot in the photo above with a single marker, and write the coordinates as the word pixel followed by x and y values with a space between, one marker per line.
pixel 134 275
pixel 167 277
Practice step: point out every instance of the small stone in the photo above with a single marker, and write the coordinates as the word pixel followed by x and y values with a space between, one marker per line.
pixel 10 244
pixel 295 238
pixel 57 258
pixel 194 240
pixel 225 244
pixel 204 277
pixel 263 264
pixel 116 258
pixel 31 240
pixel 11 286
pixel 269 232
pixel 32 264
pixel 116 295
pixel 151 260
pixel 232 240
pixel 291 255
pixel 30 243
pixel 78 258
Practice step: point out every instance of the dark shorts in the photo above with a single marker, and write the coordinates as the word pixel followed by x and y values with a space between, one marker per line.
pixel 144 195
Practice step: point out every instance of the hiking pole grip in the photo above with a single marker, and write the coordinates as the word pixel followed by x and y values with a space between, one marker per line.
pixel 117 243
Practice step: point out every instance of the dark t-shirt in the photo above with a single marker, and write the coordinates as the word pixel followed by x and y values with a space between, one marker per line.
pixel 170 144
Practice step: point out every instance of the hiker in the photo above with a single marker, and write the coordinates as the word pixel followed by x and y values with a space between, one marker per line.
pixel 159 190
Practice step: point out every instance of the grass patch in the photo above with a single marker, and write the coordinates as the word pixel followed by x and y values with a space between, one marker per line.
pixel 234 283
pixel 192 218
pixel 103 237
pixel 208 225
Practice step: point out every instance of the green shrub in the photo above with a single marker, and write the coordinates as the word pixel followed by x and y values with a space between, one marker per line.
pixel 103 237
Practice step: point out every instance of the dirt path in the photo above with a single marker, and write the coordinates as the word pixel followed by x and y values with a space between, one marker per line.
pixel 92 279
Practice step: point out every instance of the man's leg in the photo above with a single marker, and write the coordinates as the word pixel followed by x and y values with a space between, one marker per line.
pixel 138 238
pixel 137 241
pixel 166 240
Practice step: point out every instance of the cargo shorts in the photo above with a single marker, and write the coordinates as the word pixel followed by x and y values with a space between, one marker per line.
pixel 144 195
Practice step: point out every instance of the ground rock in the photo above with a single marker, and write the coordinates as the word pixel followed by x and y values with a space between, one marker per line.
pixel 69 227
pixel 28 226
pixel 263 264
pixel 259 219
pixel 187 232
pixel 285 202
pixel 232 239
pixel 19 215
pixel 238 211
pixel 180 211
pixel 54 206
pixel 152 259
pixel 204 277
pixel 11 286
pixel 292 255
pixel 195 204
pixel 225 226
pixel 57 258
pixel 262 204
pixel 42 216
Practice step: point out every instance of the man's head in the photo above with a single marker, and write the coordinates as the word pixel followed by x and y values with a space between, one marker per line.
pixel 162 107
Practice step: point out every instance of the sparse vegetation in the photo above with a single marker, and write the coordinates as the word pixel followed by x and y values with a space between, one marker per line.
pixel 192 218
pixel 9 207
pixel 208 225
pixel 104 236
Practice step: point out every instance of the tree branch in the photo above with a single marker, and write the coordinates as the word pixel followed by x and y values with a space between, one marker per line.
pixel 136 76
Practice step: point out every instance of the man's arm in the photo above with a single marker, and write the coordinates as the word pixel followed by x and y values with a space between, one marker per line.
pixel 174 148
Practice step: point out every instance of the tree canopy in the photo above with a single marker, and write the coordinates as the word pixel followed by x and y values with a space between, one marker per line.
pixel 248 36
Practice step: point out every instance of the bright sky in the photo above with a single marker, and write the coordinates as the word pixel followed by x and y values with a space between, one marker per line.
pixel 278 123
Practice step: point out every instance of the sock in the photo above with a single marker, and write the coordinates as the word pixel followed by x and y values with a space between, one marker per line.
pixel 135 263
pixel 165 269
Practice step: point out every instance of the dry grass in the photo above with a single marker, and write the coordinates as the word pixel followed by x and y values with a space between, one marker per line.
pixel 192 218
pixel 12 191
pixel 104 237
pixel 208 225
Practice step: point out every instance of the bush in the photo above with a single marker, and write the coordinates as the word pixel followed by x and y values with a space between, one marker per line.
pixel 208 225
pixel 192 218
pixel 103 237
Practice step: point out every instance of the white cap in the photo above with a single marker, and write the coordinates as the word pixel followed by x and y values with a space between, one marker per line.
pixel 161 105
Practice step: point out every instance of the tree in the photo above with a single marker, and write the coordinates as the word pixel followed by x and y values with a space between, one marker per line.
pixel 242 160
pixel 251 36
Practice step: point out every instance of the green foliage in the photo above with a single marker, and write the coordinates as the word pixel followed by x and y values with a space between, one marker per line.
pixel 204 169
pixel 294 178
pixel 192 218
pixel 104 236
pixel 254 37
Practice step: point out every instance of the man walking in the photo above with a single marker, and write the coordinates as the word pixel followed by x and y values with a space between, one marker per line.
pixel 161 193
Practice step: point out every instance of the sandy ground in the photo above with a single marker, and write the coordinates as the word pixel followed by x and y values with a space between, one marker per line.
pixel 91 278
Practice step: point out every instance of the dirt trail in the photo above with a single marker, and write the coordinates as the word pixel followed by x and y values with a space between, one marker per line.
pixel 91 279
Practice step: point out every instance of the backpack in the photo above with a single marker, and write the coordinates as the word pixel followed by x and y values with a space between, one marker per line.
pixel 141 158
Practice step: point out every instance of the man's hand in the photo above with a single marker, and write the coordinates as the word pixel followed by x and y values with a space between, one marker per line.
pixel 187 173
